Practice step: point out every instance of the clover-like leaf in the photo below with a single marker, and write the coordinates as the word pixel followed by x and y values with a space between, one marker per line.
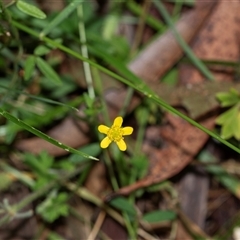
pixel 230 121
pixel 228 99
pixel 54 206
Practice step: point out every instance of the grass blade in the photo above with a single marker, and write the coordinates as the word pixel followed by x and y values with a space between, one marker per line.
pixel 42 135
pixel 48 71
pixel 60 17
pixel 197 62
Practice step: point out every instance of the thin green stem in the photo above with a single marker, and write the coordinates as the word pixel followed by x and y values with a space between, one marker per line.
pixel 140 27
pixel 130 229
pixel 126 102
pixel 140 135
pixel 99 89
pixel 150 20
pixel 84 50
pixel 106 120
pixel 177 10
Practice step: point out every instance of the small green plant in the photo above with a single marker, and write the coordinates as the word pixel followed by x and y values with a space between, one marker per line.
pixel 54 206
pixel 230 120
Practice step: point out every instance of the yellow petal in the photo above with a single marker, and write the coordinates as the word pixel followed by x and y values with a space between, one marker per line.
pixel 103 129
pixel 118 121
pixel 122 145
pixel 127 130
pixel 105 142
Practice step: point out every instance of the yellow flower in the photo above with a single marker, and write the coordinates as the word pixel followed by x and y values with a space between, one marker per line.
pixel 115 134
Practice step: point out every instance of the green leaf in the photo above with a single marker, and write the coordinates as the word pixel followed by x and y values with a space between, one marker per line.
pixel 30 10
pixel 41 50
pixel 14 174
pixel 118 65
pixel 189 3
pixel 54 206
pixel 140 164
pixel 205 156
pixel 41 181
pixel 54 236
pixel 123 204
pixel 159 216
pixel 93 149
pixel 29 67
pixel 40 163
pixel 88 100
pixel 170 77
pixel 230 182
pixel 228 99
pixel 142 115
pixel 230 121
pixel 110 25
pixel 5 181
pixel 61 17
pixel 47 70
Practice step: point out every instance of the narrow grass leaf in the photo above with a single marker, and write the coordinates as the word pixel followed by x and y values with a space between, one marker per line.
pixel 48 71
pixel 60 17
pixel 30 10
pixel 150 20
pixel 123 204
pixel 29 67
pixel 159 216
pixel 41 50
pixel 43 135
pixel 227 180
pixel 14 174
pixel 118 65
pixel 196 61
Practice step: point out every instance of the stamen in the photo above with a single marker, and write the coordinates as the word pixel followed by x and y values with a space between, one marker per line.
pixel 115 133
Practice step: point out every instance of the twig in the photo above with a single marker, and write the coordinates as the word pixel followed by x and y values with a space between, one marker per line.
pixel 97 225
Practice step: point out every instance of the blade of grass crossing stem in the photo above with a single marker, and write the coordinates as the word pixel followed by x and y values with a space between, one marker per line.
pixel 60 17
pixel 118 65
pixel 43 135
pixel 197 62
pixel 143 88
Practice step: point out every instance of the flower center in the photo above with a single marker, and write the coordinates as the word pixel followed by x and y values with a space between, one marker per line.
pixel 115 133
